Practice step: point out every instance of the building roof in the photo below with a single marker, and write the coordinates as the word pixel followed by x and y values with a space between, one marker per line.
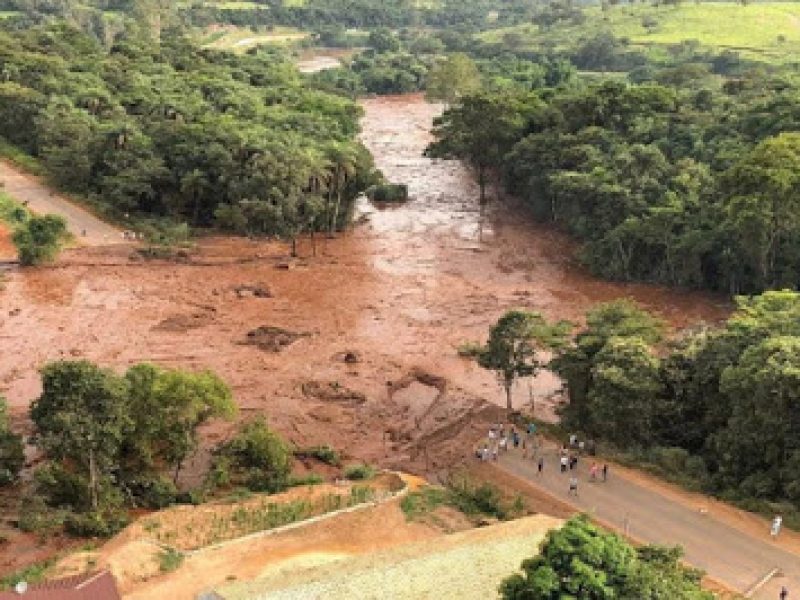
pixel 89 586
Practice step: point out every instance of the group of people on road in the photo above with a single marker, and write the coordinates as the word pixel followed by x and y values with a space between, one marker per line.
pixel 568 460
pixel 501 438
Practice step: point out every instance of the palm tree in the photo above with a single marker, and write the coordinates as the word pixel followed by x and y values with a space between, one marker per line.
pixel 344 160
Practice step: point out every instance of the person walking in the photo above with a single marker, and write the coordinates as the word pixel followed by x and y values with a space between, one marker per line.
pixel 784 593
pixel 605 472
pixel 573 486
pixel 593 472
pixel 564 461
pixel 540 466
pixel 776 526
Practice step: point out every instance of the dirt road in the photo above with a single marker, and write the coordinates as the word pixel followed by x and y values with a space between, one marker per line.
pixel 733 547
pixel 40 199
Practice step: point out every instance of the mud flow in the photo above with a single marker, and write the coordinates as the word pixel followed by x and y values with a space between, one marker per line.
pixel 354 347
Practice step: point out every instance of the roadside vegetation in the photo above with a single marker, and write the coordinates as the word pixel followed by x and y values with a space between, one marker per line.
pixel 712 408
pixel 476 500
pixel 582 561
pixel 38 239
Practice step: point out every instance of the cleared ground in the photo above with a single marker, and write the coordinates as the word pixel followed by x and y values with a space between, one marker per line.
pixel 469 564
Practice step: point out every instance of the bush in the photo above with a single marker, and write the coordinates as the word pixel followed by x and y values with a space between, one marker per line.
pixel 194 497
pixel 153 491
pixel 324 454
pixel 169 560
pixel 34 573
pixel 483 499
pixel 101 524
pixel 417 504
pixel 388 192
pixel 36 517
pixel 257 458
pixel 359 472
pixel 39 239
pixel 62 488
pixel 12 455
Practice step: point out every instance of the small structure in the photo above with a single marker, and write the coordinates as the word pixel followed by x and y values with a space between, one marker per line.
pixel 89 586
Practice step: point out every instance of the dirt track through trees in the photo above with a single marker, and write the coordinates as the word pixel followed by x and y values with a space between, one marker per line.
pixel 39 198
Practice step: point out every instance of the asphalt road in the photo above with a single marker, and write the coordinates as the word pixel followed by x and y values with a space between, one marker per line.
pixel 42 200
pixel 726 553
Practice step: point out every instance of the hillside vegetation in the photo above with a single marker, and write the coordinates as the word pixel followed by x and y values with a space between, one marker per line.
pixel 168 130
pixel 768 31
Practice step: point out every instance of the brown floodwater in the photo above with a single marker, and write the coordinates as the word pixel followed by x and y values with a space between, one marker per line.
pixel 400 291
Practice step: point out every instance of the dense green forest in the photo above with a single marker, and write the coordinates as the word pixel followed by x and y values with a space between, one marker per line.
pixel 207 137
pixel 686 176
pixel 715 408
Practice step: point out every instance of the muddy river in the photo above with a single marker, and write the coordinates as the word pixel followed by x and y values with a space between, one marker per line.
pixel 396 296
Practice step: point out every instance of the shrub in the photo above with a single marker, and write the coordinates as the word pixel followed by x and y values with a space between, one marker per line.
pixel 483 499
pixel 359 472
pixel 389 192
pixel 36 517
pixel 153 491
pixel 257 458
pixel 34 573
pixel 96 524
pixel 309 479
pixel 39 239
pixel 324 454
pixel 12 455
pixel 62 488
pixel 417 504
pixel 169 560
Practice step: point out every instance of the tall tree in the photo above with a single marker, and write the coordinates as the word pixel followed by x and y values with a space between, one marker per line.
pixel 81 419
pixel 620 320
pixel 12 455
pixel 480 130
pixel 625 384
pixel 516 347
pixel 453 78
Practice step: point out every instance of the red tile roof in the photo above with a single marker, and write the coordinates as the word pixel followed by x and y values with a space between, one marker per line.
pixel 90 586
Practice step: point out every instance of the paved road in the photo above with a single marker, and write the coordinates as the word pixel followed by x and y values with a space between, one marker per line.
pixel 25 188
pixel 727 554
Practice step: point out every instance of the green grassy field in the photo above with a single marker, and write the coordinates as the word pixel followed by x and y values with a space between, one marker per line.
pixel 767 31
pixel 242 39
